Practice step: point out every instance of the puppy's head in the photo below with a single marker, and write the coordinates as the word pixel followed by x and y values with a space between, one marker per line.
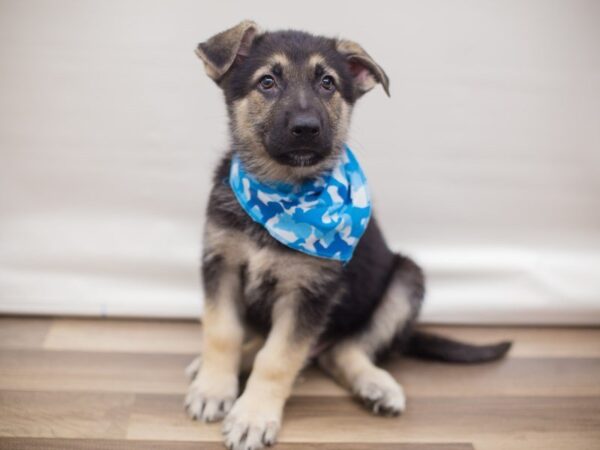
pixel 289 95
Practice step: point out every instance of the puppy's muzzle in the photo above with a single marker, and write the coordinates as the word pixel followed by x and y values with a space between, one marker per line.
pixel 304 140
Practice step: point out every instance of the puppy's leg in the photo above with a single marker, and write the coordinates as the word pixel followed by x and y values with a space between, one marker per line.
pixel 350 361
pixel 249 350
pixel 215 387
pixel 255 418
pixel 352 367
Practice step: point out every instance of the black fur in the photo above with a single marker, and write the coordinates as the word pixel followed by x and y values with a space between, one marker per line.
pixel 439 348
pixel 365 279
pixel 338 302
pixel 317 300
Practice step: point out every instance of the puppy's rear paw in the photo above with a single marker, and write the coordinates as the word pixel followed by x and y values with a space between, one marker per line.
pixel 210 398
pixel 381 393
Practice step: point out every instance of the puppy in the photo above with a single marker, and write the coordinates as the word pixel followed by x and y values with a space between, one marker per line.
pixel 270 307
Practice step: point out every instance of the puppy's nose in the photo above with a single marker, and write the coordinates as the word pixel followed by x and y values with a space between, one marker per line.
pixel 305 126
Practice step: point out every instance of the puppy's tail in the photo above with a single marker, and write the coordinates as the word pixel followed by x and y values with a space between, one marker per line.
pixel 434 347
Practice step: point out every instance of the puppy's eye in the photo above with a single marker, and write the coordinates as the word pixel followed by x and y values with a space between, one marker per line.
pixel 267 82
pixel 327 82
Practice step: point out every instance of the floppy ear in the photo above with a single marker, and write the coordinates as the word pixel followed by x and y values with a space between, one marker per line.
pixel 365 71
pixel 220 51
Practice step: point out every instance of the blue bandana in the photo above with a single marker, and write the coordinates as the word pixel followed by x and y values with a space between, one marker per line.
pixel 325 216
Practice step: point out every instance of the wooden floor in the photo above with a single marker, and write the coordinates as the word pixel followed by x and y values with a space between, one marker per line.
pixel 104 384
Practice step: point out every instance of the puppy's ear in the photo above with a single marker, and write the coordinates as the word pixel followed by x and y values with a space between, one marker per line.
pixel 220 51
pixel 365 71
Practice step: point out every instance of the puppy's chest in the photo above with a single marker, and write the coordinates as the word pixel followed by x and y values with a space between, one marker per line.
pixel 269 274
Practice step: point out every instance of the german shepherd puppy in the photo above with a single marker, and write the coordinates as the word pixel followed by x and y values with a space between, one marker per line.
pixel 271 309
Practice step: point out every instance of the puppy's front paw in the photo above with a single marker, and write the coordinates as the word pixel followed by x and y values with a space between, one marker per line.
pixel 210 396
pixel 251 426
pixel 381 393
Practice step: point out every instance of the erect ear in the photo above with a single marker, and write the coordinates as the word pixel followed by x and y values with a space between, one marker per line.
pixel 365 71
pixel 220 51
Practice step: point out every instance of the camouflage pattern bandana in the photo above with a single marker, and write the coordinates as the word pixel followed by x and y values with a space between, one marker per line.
pixel 324 217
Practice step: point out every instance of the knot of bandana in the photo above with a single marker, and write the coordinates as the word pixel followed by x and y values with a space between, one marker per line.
pixel 324 217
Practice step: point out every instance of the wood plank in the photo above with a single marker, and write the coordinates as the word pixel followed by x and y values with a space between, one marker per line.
pixel 95 444
pixel 185 337
pixel 163 373
pixel 513 422
pixel 21 332
pixel 92 371
pixel 141 336
pixel 509 420
pixel 531 341
pixel 546 396
pixel 64 414
pixel 539 441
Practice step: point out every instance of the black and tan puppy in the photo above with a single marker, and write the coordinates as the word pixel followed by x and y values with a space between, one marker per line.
pixel 269 308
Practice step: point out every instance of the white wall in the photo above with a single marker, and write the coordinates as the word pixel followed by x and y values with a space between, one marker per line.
pixel 485 163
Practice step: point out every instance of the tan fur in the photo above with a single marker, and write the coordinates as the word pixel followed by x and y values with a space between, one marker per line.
pixel 275 59
pixel 352 367
pixel 249 115
pixel 249 350
pixel 211 70
pixel 339 111
pixel 253 113
pixel 217 378
pixel 260 408
pixel 223 334
pixel 236 248
pixel 368 79
pixel 281 59
pixel 350 362
pixel 284 353
pixel 236 39
pixel 318 60
pixel 388 319
pixel 314 60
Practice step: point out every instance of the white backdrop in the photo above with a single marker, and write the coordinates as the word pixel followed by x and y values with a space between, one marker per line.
pixel 484 164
